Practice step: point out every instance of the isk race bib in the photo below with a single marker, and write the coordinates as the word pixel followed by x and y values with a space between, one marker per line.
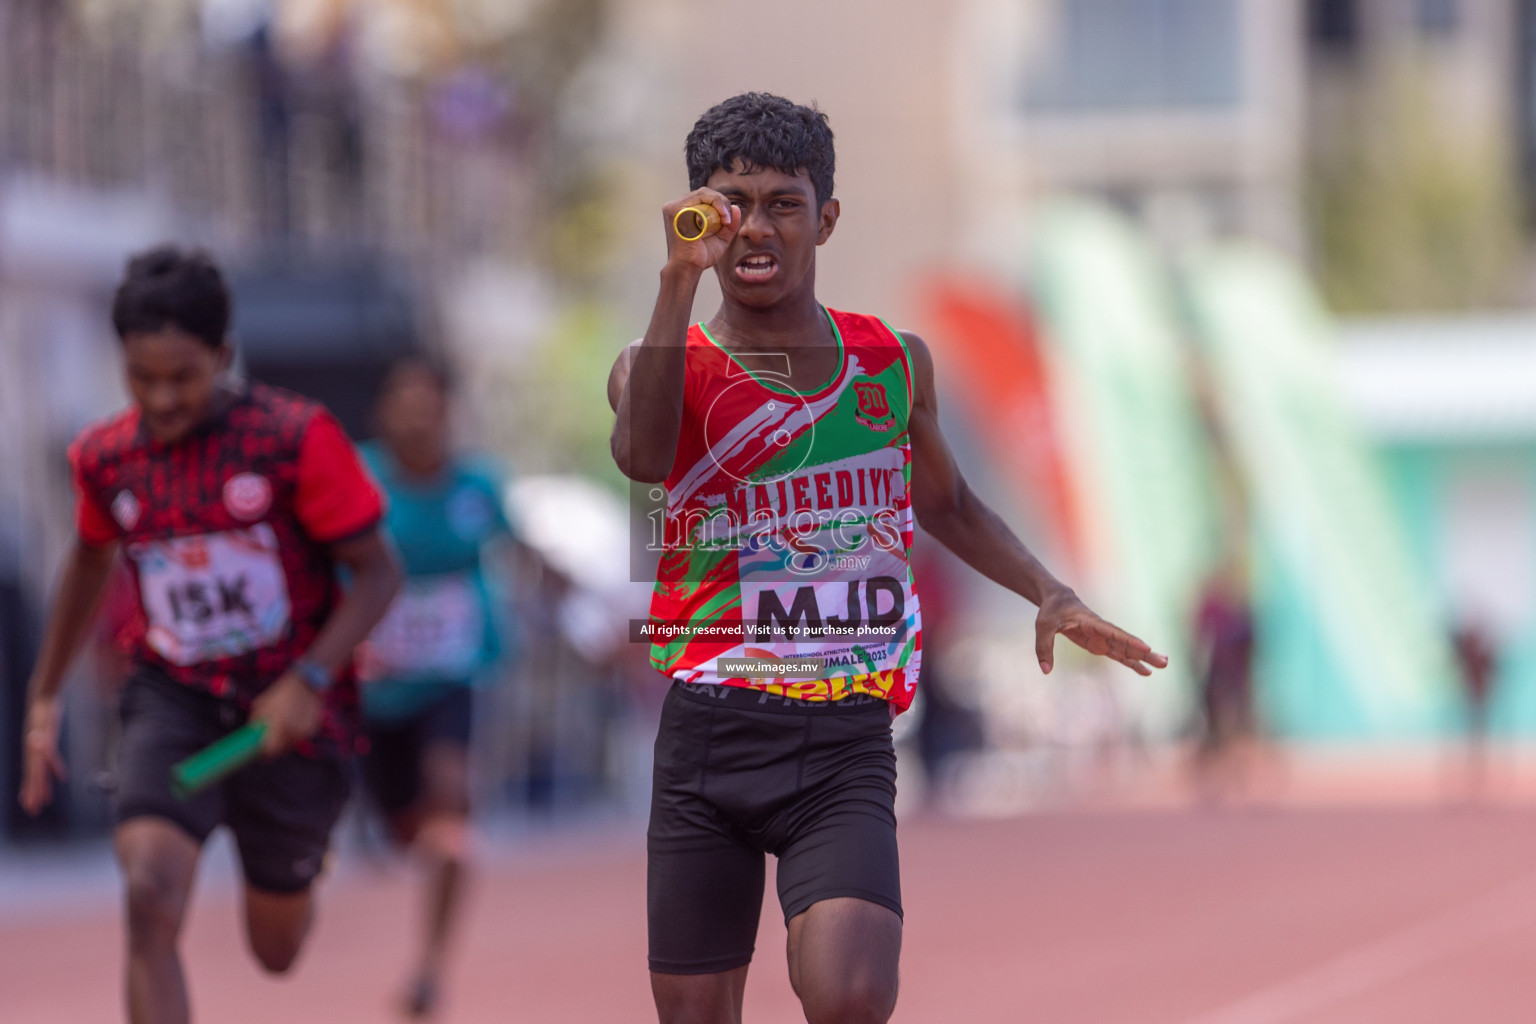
pixel 213 596
pixel 435 628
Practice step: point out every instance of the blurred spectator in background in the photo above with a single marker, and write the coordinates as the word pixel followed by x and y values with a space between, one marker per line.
pixel 1476 663
pixel 1224 643
pixel 442 636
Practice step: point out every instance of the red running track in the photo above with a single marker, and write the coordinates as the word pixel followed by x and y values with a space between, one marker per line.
pixel 1324 916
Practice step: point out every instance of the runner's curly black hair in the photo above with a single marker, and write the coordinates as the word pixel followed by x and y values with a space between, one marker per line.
pixel 170 287
pixel 433 366
pixel 756 130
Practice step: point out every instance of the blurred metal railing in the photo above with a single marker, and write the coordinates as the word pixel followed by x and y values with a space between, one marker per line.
pixel 256 151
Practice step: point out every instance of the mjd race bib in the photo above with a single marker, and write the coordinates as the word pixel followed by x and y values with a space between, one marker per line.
pixel 436 628
pixel 213 596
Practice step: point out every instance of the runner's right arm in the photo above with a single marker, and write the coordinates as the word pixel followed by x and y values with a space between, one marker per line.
pixel 645 387
pixel 81 583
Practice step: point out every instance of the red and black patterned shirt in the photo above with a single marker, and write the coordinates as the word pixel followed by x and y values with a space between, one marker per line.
pixel 228 533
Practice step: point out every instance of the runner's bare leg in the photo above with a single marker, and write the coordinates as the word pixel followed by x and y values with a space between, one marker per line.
pixel 699 998
pixel 159 864
pixel 443 840
pixel 843 959
pixel 276 924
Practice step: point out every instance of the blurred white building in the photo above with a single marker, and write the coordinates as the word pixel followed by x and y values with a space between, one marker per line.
pixel 1187 114
pixel 1199 117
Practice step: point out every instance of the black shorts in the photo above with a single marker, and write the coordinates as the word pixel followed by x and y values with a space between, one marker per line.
pixel 739 774
pixel 392 766
pixel 281 810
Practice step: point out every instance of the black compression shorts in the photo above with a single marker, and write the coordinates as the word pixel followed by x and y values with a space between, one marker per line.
pixel 281 810
pixel 738 774
pixel 393 764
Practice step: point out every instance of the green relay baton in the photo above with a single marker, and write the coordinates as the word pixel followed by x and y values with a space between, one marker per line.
pixel 217 760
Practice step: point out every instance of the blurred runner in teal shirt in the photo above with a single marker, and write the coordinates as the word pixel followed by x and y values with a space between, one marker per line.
pixel 440 638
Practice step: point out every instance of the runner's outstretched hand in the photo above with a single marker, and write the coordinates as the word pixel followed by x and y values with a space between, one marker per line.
pixel 1064 612
pixel 41 763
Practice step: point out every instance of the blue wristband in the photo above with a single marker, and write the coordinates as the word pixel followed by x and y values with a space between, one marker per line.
pixel 315 677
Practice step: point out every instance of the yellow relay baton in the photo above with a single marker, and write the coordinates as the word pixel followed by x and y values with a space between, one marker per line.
pixel 694 222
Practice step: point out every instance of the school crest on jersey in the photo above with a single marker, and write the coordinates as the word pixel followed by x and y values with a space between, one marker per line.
pixel 125 509
pixel 873 411
pixel 247 496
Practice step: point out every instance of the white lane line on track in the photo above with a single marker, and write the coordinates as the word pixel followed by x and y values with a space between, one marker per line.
pixel 1507 909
